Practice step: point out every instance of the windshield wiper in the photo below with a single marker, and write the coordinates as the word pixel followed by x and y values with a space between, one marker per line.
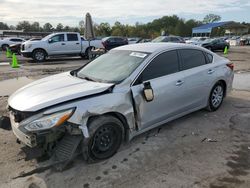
pixel 89 79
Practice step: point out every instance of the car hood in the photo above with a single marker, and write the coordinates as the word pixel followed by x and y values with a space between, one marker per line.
pixel 53 90
pixel 34 42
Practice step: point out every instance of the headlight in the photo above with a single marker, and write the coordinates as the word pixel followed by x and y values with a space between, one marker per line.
pixel 49 121
pixel 28 45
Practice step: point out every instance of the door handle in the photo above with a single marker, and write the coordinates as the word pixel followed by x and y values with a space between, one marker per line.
pixel 63 43
pixel 210 71
pixel 179 83
pixel 77 43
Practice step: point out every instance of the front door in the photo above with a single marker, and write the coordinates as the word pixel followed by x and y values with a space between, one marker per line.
pixel 56 45
pixel 167 83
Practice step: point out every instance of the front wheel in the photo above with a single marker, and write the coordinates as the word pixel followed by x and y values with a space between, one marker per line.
pixel 106 135
pixel 39 55
pixel 4 47
pixel 216 97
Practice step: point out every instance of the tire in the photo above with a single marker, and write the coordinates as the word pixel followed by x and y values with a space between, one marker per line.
pixel 106 135
pixel 39 55
pixel 216 97
pixel 89 54
pixel 4 47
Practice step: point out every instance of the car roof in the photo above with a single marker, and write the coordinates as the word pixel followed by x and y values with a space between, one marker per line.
pixel 151 47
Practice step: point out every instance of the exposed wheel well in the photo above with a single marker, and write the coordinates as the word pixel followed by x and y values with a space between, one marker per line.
pixel 224 86
pixel 120 117
pixel 4 45
pixel 40 49
pixel 89 47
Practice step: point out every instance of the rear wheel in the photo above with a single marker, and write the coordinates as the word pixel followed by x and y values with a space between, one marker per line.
pixel 106 135
pixel 89 54
pixel 216 96
pixel 39 55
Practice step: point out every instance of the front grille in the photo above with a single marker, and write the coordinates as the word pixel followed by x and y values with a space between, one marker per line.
pixel 22 47
pixel 20 116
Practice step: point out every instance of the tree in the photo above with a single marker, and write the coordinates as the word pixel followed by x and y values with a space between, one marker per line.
pixel 59 27
pixel 66 28
pixel 3 26
pixel 24 25
pixel 35 26
pixel 48 27
pixel 81 27
pixel 104 29
pixel 211 18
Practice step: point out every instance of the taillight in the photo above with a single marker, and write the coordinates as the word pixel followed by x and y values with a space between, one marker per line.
pixel 231 66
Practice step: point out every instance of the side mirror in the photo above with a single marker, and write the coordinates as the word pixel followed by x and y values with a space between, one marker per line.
pixel 148 92
pixel 50 41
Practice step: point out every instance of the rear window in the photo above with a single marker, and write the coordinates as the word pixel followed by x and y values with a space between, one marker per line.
pixel 72 37
pixel 192 58
pixel 209 57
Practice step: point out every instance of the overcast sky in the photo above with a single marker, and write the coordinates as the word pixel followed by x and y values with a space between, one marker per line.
pixel 70 12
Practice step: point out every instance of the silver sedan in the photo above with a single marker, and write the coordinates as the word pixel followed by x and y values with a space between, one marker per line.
pixel 117 96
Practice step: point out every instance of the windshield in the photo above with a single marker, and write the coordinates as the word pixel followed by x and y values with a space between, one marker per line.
pixel 47 37
pixel 208 40
pixel 112 67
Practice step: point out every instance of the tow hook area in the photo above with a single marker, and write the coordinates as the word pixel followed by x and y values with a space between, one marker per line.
pixel 65 151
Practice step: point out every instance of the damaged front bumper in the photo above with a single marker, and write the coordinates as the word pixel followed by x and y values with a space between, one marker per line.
pixel 28 139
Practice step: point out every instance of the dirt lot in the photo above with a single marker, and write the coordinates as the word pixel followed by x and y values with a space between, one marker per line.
pixel 199 150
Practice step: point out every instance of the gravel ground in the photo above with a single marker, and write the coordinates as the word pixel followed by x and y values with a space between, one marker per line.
pixel 199 150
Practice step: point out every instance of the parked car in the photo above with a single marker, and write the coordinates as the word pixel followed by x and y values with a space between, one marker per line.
pixel 234 41
pixel 174 39
pixel 245 40
pixel 16 48
pixel 133 40
pixel 196 40
pixel 215 44
pixel 59 44
pixel 143 40
pixel 123 93
pixel 113 42
pixel 5 43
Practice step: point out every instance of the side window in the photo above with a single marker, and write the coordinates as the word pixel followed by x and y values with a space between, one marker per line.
pixel 57 38
pixel 166 39
pixel 119 39
pixel 174 39
pixel 192 58
pixel 72 37
pixel 16 40
pixel 111 39
pixel 209 57
pixel 162 65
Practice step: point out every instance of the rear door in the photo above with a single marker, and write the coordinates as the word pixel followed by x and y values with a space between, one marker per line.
pixel 72 45
pixel 57 45
pixel 199 76
pixel 166 81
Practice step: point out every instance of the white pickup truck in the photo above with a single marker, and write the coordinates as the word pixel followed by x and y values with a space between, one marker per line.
pixel 59 44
